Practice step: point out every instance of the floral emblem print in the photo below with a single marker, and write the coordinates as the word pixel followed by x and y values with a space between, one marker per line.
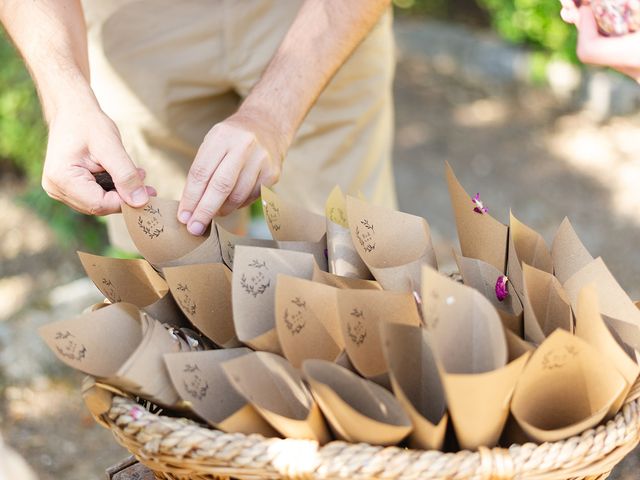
pixel 294 318
pixel 185 300
pixel 365 234
pixel 68 347
pixel 356 330
pixel 193 383
pixel 151 224
pixel 257 283
pixel 272 213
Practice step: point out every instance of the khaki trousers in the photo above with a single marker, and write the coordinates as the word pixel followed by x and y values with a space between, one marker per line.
pixel 166 71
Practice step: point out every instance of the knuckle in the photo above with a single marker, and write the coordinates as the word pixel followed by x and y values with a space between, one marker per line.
pixel 223 184
pixel 199 173
pixel 97 209
pixel 204 212
pixel 130 177
pixel 236 198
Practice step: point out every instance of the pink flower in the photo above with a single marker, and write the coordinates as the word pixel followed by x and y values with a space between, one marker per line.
pixel 479 206
pixel 502 291
pixel 135 413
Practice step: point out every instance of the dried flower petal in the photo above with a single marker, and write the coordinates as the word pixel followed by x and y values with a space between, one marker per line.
pixel 502 291
pixel 135 413
pixel 479 206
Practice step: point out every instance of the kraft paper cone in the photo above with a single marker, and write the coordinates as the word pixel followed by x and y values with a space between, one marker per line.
pixel 202 384
pixel 416 383
pixel 343 256
pixel 338 281
pixel 615 305
pixel 203 292
pixel 275 389
pixel 566 388
pixel 568 253
pixel 516 346
pixel 394 245
pixel 120 345
pixel 546 305
pixel 361 312
pixel 483 277
pixel 471 351
pixel 228 242
pixel 592 328
pixel 307 320
pixel 253 291
pixel 526 246
pixel 133 281
pixel 481 236
pixel 287 221
pixel 164 241
pixel 358 410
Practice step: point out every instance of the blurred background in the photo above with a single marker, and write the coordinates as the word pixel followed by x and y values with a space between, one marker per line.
pixel 491 86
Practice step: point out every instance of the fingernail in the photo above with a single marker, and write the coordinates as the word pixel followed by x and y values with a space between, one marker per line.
pixel 184 216
pixel 139 196
pixel 196 228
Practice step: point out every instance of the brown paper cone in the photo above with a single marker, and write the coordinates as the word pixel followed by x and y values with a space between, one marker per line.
pixel 566 388
pixel 615 305
pixel 287 221
pixel 469 340
pixel 568 253
pixel 307 320
pixel 201 383
pixel 526 246
pixel 357 410
pixel 203 292
pixel 338 281
pixel 546 305
pixel 275 389
pixel 394 245
pixel 343 257
pixel 253 291
pixel 361 312
pixel 591 327
pixel 481 236
pixel 416 383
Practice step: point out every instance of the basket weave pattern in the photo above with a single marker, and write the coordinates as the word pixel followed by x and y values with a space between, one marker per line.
pixel 177 449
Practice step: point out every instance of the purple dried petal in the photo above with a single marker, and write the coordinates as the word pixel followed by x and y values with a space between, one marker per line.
pixel 479 206
pixel 502 291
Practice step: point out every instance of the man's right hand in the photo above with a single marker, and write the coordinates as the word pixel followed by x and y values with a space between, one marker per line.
pixel 84 141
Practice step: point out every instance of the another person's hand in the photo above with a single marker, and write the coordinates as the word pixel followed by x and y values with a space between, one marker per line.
pixel 619 53
pixel 236 157
pixel 84 141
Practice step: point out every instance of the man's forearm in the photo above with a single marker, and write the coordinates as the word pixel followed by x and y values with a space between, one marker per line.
pixel 322 36
pixel 51 36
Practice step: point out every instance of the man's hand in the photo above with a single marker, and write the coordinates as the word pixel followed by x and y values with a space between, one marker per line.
pixel 84 141
pixel 237 156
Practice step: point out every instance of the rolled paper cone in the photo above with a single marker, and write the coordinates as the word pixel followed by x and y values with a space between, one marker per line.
pixel 287 221
pixel 546 305
pixel 471 351
pixel 361 312
pixel 342 254
pixel 307 320
pixel 203 292
pixel 568 253
pixel 338 281
pixel 615 305
pixel 357 410
pixel 481 236
pixel 254 289
pixel 526 246
pixel 393 245
pixel 591 327
pixel 201 383
pixel 164 241
pixel 566 388
pixel 275 389
pixel 416 383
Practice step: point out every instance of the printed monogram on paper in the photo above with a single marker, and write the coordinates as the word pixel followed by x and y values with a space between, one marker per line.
pixel 231 248
pixel 431 310
pixel 110 291
pixel 337 215
pixel 273 215
pixel 366 235
pixel 193 383
pixel 356 330
pixel 187 303
pixel 294 318
pixel 151 224
pixel 258 283
pixel 68 347
pixel 558 358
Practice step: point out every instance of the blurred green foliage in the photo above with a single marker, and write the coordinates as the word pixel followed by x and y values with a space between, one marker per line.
pixel 535 23
pixel 23 136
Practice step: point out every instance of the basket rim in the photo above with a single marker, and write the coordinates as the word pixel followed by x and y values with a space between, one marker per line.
pixel 184 448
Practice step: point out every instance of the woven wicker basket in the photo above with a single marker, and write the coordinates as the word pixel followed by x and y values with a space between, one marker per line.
pixel 180 449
